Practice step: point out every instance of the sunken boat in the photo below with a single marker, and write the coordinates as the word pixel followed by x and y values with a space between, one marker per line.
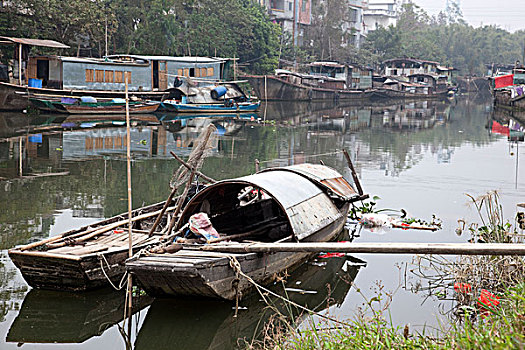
pixel 299 203
pixel 89 257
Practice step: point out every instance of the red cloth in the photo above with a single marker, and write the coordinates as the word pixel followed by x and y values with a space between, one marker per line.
pixel 504 80
pixel 497 128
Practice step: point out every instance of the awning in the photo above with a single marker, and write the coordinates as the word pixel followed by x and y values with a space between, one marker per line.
pixel 33 42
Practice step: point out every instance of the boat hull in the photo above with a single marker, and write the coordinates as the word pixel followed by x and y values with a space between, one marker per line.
pixel 71 270
pixel 214 277
pixel 273 88
pixel 210 108
pixel 16 98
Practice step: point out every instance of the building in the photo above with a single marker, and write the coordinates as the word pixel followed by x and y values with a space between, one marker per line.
pixel 355 21
pixel 291 15
pixel 380 13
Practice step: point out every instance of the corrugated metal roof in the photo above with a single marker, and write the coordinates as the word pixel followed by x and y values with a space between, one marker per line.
pixel 33 42
pixel 307 207
pixel 185 59
pixel 324 176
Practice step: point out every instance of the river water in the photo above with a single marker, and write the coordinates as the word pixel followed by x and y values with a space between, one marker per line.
pixel 423 157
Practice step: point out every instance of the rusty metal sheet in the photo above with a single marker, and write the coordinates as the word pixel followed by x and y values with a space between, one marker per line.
pixel 325 176
pixel 307 207
pixel 34 42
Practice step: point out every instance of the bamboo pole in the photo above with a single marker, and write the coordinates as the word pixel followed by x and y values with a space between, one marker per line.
pixel 190 168
pixel 174 220
pixel 354 174
pixel 130 222
pixel 20 64
pixel 374 248
pixel 21 158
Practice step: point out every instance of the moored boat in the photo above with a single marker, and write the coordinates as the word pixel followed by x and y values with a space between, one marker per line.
pixel 85 258
pixel 197 96
pixel 307 203
pixel 91 105
pixel 325 81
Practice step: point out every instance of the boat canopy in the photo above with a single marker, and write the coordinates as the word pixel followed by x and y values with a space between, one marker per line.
pixel 305 205
pixel 324 176
pixel 33 42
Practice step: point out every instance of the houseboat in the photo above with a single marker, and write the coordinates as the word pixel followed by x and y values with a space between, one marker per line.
pixel 325 81
pixel 509 89
pixel 148 76
pixel 299 203
pixel 413 78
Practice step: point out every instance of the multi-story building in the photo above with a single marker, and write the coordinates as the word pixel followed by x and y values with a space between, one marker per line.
pixel 355 22
pixel 292 16
pixel 380 13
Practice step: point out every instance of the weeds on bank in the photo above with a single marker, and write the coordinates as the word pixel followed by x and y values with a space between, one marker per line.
pixel 488 294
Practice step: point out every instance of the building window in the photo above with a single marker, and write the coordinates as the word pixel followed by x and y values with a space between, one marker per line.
pixel 90 75
pixel 197 72
pixel 290 6
pixel 186 72
pixel 211 72
pixel 109 76
pixel 303 5
pixel 99 76
pixel 119 77
pixel 180 72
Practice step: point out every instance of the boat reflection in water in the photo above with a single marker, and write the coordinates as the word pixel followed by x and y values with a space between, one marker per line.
pixel 67 318
pixel 210 324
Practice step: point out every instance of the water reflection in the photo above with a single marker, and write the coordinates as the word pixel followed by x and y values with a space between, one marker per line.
pixel 74 170
pixel 206 324
pixel 64 317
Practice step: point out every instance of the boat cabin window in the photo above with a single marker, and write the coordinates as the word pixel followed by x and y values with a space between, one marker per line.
pixel 119 77
pixel 192 72
pixel 109 76
pixel 99 76
pixel 90 75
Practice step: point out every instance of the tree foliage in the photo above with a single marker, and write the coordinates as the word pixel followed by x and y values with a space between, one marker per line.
pixel 234 28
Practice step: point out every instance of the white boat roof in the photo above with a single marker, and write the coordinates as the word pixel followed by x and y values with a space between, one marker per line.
pixel 186 59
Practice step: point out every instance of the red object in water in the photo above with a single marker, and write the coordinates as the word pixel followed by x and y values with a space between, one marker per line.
pixel 487 301
pixel 504 80
pixel 462 287
pixel 497 128
pixel 118 231
pixel 331 255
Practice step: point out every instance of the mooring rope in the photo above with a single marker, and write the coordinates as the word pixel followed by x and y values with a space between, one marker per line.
pixel 121 284
pixel 236 266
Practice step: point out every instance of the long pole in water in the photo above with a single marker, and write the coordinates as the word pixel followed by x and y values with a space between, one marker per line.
pixel 130 223
pixel 20 64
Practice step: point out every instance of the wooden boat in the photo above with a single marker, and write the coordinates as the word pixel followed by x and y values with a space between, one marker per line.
pixel 282 88
pixel 307 203
pixel 97 106
pixel 87 257
pixel 194 96
pixel 241 107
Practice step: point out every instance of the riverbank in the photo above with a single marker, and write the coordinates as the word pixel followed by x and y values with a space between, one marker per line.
pixel 501 329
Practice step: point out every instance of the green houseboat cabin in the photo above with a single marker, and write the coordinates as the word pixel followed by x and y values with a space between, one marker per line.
pixel 147 73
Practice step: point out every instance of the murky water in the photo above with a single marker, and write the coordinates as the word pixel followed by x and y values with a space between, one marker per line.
pixel 423 157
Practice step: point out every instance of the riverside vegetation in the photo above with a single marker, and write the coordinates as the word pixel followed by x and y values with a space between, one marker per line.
pixel 487 294
pixel 242 29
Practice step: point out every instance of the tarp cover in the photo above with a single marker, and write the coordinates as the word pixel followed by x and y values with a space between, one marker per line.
pixel 504 80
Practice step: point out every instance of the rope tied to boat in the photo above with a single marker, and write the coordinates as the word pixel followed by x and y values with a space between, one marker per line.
pixel 102 259
pixel 236 266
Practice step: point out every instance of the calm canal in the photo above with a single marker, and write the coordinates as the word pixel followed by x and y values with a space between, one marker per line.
pixel 423 157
